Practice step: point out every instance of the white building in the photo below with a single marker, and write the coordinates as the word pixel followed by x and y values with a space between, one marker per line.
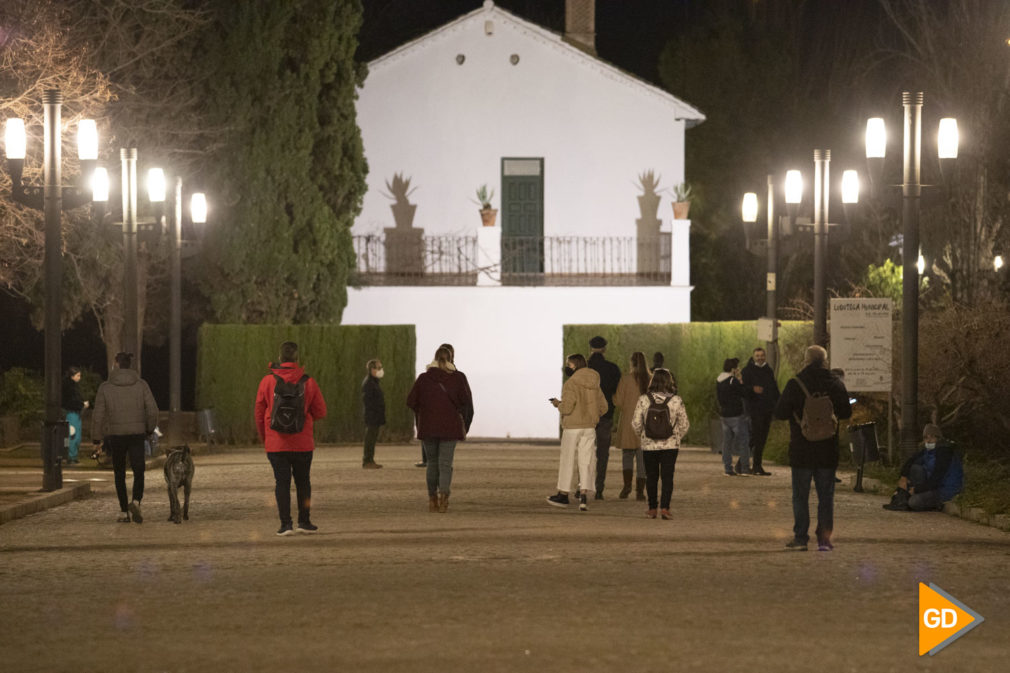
pixel 563 139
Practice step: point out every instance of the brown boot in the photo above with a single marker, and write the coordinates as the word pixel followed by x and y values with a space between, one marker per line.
pixel 432 503
pixel 627 485
pixel 443 502
pixel 640 489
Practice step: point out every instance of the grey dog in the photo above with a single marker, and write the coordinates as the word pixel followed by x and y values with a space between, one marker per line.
pixel 179 471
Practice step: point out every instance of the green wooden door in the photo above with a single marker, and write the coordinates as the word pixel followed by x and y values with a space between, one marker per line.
pixel 522 207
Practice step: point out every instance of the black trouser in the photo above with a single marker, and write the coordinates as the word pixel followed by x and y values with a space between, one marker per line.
pixel 121 446
pixel 603 431
pixel 659 464
pixel 286 464
pixel 760 424
pixel 371 434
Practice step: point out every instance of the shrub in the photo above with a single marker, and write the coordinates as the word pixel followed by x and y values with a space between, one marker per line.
pixel 22 394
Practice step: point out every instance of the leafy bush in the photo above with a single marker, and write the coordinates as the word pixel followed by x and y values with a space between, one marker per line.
pixel 22 394
pixel 232 359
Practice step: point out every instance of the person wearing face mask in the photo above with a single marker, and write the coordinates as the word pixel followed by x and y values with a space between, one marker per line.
pixel 374 403
pixel 929 478
pixel 759 379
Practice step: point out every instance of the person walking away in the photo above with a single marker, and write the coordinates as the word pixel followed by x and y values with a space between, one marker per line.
pixel 730 394
pixel 634 383
pixel 610 377
pixel 374 404
pixel 931 477
pixel 288 403
pixel 813 402
pixel 440 399
pixel 660 420
pixel 759 381
pixel 581 406
pixel 73 406
pixel 467 413
pixel 125 413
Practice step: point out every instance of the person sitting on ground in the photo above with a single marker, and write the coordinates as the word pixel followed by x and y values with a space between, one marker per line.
pixel 929 478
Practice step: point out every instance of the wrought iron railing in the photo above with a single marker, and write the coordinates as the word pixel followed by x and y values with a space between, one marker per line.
pixel 413 259
pixel 409 258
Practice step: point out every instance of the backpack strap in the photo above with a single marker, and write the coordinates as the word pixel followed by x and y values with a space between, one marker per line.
pixel 806 393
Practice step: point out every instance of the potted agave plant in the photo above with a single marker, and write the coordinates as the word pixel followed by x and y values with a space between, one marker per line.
pixel 487 213
pixel 681 201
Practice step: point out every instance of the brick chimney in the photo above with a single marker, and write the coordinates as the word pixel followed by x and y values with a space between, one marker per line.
pixel 580 24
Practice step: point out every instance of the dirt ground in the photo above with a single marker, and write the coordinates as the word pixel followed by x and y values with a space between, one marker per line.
pixel 502 582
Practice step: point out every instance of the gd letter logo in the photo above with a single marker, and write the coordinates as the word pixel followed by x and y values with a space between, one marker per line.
pixel 942 619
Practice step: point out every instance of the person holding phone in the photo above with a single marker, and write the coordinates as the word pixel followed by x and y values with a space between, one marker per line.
pixel 581 405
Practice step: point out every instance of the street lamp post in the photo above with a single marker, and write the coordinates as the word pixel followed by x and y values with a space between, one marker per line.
pixel 198 214
pixel 911 190
pixel 54 198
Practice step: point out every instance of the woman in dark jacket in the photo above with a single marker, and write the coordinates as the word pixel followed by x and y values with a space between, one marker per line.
pixel 73 406
pixel 441 400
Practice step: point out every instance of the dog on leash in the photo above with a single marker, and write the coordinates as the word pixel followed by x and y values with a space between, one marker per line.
pixel 179 471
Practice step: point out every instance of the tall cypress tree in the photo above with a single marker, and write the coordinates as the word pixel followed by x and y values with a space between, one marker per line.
pixel 289 176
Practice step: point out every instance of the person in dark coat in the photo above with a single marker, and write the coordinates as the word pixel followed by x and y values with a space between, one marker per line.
pixel 442 407
pixel 610 377
pixel 125 413
pixel 374 404
pixel 808 459
pixel 730 394
pixel 931 477
pixel 759 380
pixel 73 406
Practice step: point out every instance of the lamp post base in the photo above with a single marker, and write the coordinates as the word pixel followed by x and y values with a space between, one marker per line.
pixel 54 434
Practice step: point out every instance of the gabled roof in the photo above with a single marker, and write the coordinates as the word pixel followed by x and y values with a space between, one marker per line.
pixel 691 115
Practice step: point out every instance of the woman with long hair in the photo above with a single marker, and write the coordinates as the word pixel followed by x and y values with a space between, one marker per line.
pixel 634 383
pixel 661 422
pixel 442 407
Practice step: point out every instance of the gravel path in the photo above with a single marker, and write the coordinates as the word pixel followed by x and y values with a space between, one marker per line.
pixel 503 582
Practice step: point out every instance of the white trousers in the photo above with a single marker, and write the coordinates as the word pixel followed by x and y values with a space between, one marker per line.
pixel 578 460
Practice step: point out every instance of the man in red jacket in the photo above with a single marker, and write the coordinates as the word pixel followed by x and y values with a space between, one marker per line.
pixel 287 403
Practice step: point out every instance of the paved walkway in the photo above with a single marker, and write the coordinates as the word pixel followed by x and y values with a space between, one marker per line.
pixel 503 582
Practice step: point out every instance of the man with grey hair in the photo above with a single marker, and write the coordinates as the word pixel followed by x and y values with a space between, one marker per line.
pixel 813 453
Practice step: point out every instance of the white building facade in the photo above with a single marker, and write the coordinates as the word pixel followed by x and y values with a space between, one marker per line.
pixel 565 140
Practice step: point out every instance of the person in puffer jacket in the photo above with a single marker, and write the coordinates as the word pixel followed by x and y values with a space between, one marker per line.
pixel 125 413
pixel 581 405
pixel 661 454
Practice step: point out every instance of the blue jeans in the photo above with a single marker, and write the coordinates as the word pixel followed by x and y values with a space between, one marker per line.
pixel 286 464
pixel 439 454
pixel 824 482
pixel 74 419
pixel 735 435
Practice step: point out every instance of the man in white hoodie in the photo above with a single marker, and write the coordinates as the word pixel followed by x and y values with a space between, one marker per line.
pixel 581 405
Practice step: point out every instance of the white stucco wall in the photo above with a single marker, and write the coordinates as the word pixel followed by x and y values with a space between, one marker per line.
pixel 447 126
pixel 508 340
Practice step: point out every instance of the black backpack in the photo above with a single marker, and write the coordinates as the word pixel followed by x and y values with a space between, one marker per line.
pixel 288 415
pixel 657 419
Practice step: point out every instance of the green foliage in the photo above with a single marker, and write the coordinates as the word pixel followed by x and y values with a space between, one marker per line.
pixel 232 359
pixel 291 174
pixel 22 394
pixel 884 280
pixel 694 352
pixel 484 196
pixel 682 192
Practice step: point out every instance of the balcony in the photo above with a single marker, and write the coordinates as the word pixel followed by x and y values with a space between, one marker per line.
pixel 524 261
